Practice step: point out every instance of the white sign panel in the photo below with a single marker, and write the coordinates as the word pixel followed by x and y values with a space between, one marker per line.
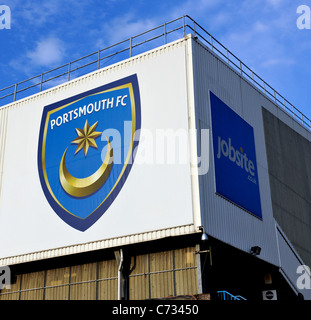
pixel 100 157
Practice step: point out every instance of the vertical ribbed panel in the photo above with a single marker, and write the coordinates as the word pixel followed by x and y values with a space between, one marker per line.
pixel 164 274
pixel 3 130
pixel 101 244
pixel 91 281
pixel 221 218
pixel 290 261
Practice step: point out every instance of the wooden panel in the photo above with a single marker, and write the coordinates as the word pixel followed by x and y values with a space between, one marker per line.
pixel 83 291
pixel 161 261
pixel 162 284
pixel 59 278
pixel 108 280
pixel 33 281
pixel 161 269
pixel 108 290
pixel 155 275
pixel 186 280
pixel 6 294
pixel 185 258
pixel 139 278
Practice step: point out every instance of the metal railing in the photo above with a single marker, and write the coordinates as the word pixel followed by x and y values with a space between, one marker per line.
pixel 142 42
pixel 225 295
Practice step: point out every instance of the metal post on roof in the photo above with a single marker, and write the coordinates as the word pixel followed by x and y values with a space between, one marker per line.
pixel 41 82
pixel 207 38
pixel 15 92
pixel 69 64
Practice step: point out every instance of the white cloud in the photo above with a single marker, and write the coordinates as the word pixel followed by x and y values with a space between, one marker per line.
pixel 48 52
pixel 275 3
pixel 260 27
pixel 122 28
pixel 34 13
pixel 195 9
pixel 276 62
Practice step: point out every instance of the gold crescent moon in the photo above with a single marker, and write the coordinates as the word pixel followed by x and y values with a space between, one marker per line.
pixel 82 187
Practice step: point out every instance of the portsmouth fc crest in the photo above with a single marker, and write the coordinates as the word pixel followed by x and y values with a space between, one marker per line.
pixel 86 150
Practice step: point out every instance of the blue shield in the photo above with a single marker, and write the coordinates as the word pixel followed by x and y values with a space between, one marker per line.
pixel 86 150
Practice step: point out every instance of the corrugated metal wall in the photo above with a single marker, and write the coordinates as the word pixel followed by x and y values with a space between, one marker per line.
pixel 222 219
pixel 290 261
pixel 92 281
pixel 164 274
pixel 3 129
pixel 101 244
pixel 154 275
pixel 289 155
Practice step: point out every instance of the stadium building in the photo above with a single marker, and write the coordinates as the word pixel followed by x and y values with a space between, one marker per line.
pixel 158 168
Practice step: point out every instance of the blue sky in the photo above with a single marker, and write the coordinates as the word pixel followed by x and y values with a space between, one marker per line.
pixel 262 33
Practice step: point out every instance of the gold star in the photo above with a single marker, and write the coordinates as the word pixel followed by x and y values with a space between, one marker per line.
pixel 86 137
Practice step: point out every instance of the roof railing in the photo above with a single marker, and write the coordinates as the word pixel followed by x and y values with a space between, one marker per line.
pixel 225 295
pixel 139 43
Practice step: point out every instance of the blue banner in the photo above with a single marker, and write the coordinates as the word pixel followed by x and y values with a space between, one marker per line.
pixel 236 171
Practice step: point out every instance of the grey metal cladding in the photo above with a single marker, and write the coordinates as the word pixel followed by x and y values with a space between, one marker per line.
pixel 289 159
